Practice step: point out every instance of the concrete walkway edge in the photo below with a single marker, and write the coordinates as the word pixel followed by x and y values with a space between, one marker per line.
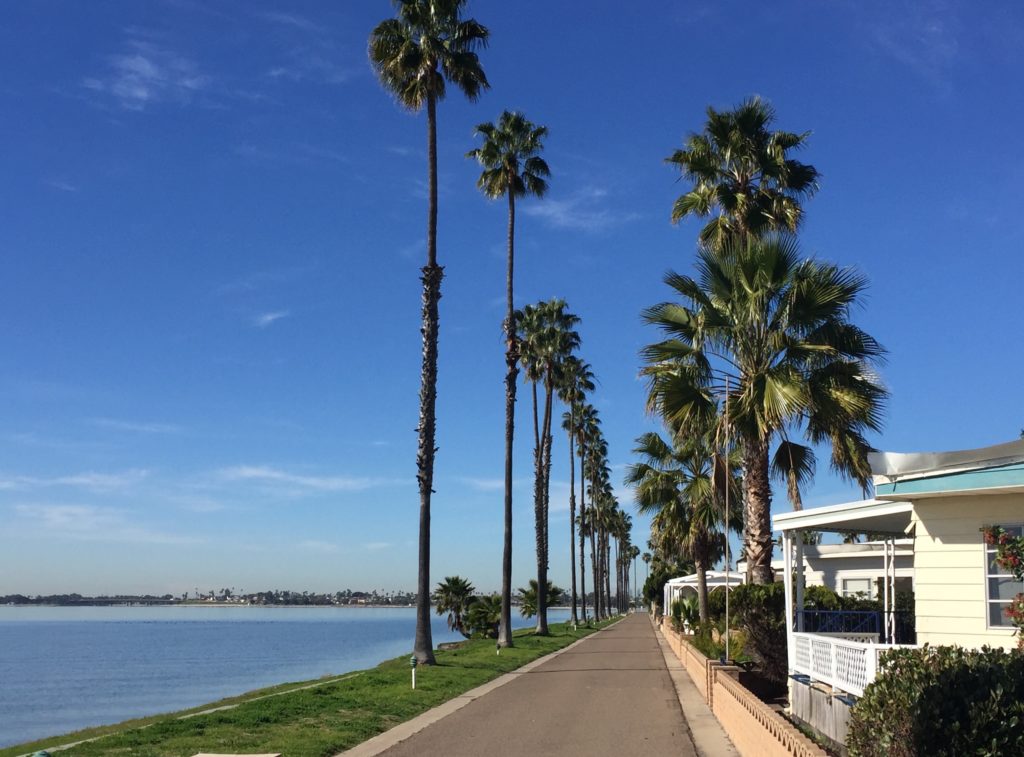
pixel 707 733
pixel 384 741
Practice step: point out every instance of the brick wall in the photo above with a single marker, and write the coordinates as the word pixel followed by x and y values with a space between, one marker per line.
pixel 752 726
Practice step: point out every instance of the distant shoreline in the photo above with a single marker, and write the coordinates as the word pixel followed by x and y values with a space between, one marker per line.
pixel 204 604
pixel 234 605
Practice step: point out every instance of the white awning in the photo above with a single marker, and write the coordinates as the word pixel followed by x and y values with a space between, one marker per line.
pixel 865 516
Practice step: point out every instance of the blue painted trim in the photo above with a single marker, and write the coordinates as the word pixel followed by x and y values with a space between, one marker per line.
pixel 988 478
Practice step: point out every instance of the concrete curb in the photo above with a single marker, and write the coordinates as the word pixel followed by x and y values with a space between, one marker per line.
pixel 384 741
pixel 706 732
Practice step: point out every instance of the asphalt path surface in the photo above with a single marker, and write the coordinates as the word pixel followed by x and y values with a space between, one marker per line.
pixel 610 694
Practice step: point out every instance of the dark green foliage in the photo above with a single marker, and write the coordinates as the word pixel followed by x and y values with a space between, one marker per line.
pixel 716 605
pixel 528 597
pixel 759 609
pixel 822 598
pixel 454 596
pixel 709 640
pixel 483 617
pixel 654 586
pixel 677 615
pixel 942 701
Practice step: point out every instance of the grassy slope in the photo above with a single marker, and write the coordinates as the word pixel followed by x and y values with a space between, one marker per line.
pixel 320 720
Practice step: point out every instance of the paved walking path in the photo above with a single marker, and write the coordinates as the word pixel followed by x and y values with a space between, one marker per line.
pixel 608 694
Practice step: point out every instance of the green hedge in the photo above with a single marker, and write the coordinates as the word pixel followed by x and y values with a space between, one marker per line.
pixel 760 611
pixel 942 701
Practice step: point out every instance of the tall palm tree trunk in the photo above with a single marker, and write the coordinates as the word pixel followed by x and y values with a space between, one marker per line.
pixel 423 646
pixel 701 567
pixel 595 570
pixel 538 503
pixel 511 378
pixel 758 527
pixel 572 515
pixel 542 516
pixel 583 528
pixel 613 552
pixel 607 574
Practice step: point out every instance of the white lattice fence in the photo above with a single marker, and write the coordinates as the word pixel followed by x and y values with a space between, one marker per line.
pixel 840 663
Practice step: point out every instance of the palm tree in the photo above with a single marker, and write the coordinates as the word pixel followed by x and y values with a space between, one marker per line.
pixel 646 557
pixel 414 54
pixel 685 484
pixel 547 337
pixel 588 429
pixel 577 380
pixel 741 168
pixel 454 596
pixel 512 168
pixel 776 329
pixel 595 471
pixel 634 553
pixel 484 616
pixel 528 599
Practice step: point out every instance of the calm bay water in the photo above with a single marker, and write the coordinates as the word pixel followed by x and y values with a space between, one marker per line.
pixel 65 668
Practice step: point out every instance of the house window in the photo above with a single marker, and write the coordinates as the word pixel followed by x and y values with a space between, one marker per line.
pixel 854 586
pixel 1000 587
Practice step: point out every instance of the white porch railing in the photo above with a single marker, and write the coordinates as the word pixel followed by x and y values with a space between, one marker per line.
pixel 839 662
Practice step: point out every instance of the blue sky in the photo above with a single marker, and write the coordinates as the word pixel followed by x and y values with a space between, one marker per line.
pixel 212 222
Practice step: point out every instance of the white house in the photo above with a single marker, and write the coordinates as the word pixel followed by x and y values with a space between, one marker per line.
pixel 683 586
pixel 940 501
pixel 847 569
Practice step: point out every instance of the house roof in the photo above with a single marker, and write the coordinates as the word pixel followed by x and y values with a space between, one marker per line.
pixel 715 579
pixel 871 515
pixel 918 475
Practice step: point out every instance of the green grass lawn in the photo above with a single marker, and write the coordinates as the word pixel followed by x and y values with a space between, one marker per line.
pixel 324 719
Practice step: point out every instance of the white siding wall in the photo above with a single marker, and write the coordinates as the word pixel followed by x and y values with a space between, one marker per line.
pixel 949 568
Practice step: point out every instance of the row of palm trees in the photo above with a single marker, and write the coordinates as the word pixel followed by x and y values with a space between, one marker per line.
pixel 546 342
pixel 416 54
pixel 758 350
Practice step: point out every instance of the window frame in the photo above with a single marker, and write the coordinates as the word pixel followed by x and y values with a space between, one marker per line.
pixel 869 594
pixel 989 553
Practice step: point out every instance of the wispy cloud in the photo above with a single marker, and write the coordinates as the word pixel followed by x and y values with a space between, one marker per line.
pixel 413 251
pixel 138 427
pixel 31 439
pixel 483 484
pixel 145 74
pixel 261 280
pixel 924 36
pixel 268 475
pixel 265 319
pixel 292 20
pixel 314 545
pixel 586 209
pixel 376 546
pixel 61 184
pixel 295 153
pixel 98 482
pixel 89 523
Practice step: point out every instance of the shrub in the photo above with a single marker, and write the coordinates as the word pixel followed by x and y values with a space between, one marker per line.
pixel 821 598
pixel 659 576
pixel 716 604
pixel 760 611
pixel 677 615
pixel 484 616
pixel 709 639
pixel 942 701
